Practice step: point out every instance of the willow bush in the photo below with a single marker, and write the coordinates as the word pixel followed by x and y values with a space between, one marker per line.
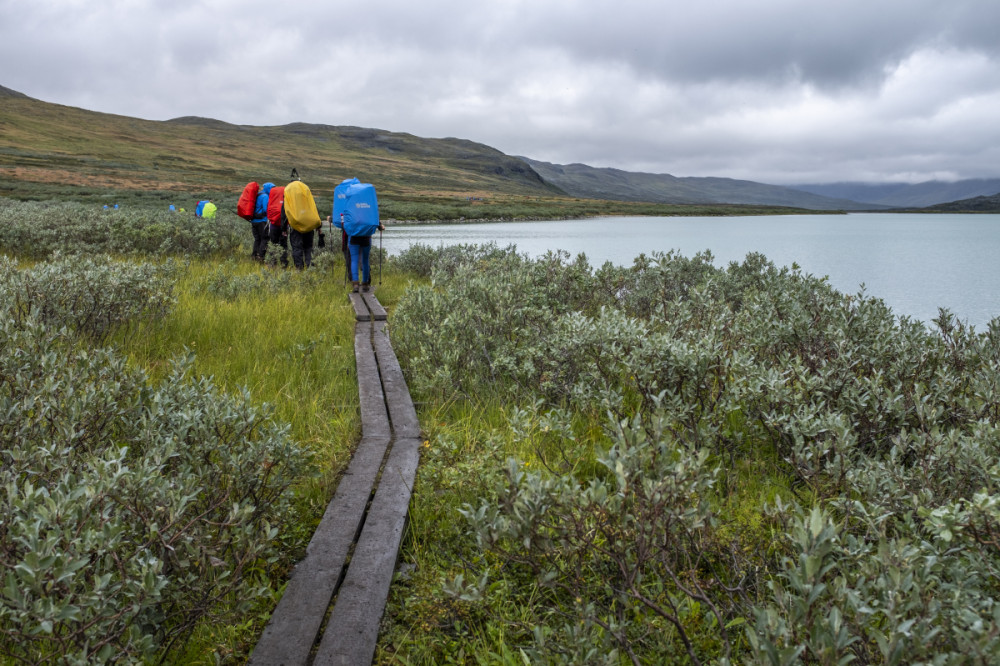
pixel 35 230
pixel 94 297
pixel 131 510
pixel 882 430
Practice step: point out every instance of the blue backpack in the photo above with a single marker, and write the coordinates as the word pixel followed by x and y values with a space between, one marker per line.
pixel 355 208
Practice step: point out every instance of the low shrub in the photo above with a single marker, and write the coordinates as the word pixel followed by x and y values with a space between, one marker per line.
pixel 36 230
pixel 130 511
pixel 880 545
pixel 93 297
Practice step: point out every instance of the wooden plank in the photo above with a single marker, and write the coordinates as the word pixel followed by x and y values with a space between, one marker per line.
pixel 402 412
pixel 387 411
pixel 294 626
pixel 352 630
pixel 377 311
pixel 374 417
pixel 361 312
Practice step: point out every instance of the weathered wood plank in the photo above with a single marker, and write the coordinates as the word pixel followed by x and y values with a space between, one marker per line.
pixel 402 413
pixel 361 312
pixel 294 626
pixel 377 311
pixel 352 630
pixel 374 417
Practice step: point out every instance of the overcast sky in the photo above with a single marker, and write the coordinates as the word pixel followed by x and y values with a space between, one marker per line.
pixel 775 91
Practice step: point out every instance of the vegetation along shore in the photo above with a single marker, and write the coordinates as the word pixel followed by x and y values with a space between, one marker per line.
pixel 667 461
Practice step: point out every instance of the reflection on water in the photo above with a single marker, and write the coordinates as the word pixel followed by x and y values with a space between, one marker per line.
pixel 916 263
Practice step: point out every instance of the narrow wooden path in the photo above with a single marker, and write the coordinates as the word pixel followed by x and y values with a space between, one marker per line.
pixel 331 609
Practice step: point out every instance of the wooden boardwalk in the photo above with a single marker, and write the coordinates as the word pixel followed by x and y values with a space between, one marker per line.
pixel 331 609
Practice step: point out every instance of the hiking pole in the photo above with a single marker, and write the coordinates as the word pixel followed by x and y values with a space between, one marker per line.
pixel 380 257
pixel 347 256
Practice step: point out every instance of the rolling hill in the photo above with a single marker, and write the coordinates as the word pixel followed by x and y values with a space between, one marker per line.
pixel 53 145
pixel 54 150
pixel 982 204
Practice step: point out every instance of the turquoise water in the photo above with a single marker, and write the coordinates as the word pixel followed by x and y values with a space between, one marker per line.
pixel 916 263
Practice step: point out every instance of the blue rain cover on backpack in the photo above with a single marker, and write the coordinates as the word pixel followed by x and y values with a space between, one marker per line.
pixel 199 207
pixel 357 202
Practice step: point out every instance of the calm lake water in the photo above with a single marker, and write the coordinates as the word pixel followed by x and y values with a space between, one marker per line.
pixel 916 263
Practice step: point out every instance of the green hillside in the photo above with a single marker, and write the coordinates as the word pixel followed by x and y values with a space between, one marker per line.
pixel 51 151
pixel 52 146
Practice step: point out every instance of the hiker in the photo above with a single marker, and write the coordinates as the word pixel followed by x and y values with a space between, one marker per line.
pixel 360 248
pixel 302 219
pixel 259 223
pixel 302 245
pixel 278 223
pixel 355 211
pixel 208 211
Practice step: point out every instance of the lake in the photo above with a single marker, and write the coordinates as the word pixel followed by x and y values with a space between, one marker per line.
pixel 916 263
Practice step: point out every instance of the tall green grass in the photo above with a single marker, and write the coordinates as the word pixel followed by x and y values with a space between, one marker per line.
pixel 289 342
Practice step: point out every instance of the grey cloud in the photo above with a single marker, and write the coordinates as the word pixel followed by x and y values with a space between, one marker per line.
pixel 765 90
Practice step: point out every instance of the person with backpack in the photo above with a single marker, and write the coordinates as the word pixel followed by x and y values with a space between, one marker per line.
pixel 259 223
pixel 355 211
pixel 360 247
pixel 302 219
pixel 279 224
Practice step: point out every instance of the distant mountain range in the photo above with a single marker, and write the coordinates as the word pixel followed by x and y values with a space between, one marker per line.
pixel 580 180
pixel 906 195
pixel 51 146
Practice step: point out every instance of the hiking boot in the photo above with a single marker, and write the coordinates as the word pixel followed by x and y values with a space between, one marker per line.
pixel 354 287
pixel 366 286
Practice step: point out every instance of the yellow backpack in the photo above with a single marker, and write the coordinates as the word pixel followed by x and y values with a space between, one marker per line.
pixel 300 207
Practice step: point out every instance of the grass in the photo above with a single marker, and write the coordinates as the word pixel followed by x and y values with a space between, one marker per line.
pixel 293 350
pixel 468 443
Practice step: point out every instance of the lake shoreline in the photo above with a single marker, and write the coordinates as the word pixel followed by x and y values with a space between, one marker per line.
pixel 917 263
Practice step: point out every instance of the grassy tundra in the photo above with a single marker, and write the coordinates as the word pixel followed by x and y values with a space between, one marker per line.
pixel 645 464
pixel 173 424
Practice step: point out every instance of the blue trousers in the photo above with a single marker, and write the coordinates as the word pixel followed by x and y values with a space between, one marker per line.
pixel 360 254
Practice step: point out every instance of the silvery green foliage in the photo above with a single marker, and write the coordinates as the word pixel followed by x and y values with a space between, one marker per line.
pixel 620 546
pixel 92 297
pixel 887 425
pixel 469 332
pixel 227 283
pixel 129 509
pixel 858 591
pixel 37 229
pixel 424 261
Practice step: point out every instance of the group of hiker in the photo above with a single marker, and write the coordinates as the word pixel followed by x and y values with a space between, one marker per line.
pixel 286 216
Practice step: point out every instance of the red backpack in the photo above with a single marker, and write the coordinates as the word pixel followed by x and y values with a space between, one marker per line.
pixel 275 203
pixel 248 201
